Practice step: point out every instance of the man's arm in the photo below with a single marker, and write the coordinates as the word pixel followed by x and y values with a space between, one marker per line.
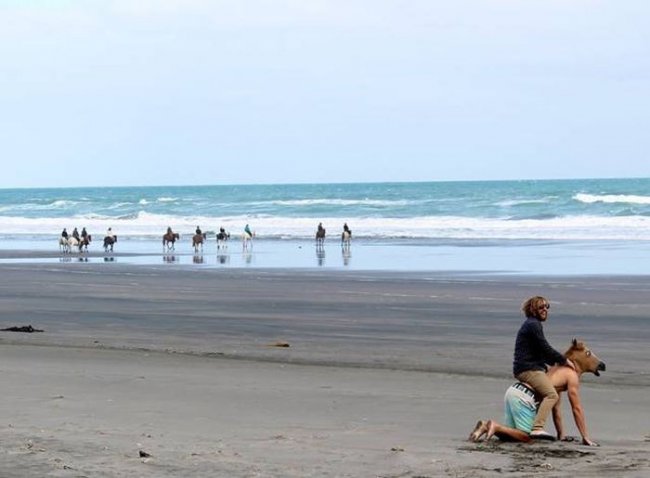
pixel 573 391
pixel 557 419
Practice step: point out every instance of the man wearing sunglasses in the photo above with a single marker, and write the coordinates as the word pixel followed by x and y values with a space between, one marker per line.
pixel 532 356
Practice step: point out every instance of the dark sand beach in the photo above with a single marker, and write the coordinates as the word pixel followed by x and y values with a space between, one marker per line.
pixel 298 373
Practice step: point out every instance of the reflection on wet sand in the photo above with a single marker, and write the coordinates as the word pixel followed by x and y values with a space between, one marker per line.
pixel 170 258
pixel 223 258
pixel 109 259
pixel 247 256
pixel 197 259
pixel 346 254
pixel 320 255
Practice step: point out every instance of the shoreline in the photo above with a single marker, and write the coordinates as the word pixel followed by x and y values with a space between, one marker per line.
pixel 505 257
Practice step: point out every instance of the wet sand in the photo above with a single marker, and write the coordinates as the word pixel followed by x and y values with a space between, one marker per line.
pixel 385 373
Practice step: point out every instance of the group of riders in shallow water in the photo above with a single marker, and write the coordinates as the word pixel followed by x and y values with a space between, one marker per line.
pixel 82 240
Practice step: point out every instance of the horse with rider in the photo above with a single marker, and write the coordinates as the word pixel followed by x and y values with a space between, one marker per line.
pixel 222 237
pixel 320 234
pixel 109 240
pixel 198 239
pixel 169 238
pixel 346 235
pixel 80 241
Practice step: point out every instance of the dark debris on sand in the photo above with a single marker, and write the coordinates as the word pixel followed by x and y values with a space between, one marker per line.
pixel 22 328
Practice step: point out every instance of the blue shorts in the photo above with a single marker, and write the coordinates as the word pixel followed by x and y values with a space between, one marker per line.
pixel 519 407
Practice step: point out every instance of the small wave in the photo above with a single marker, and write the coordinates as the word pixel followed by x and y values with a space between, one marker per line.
pixel 612 198
pixel 539 216
pixel 143 202
pixel 127 217
pixel 522 202
pixel 166 199
pixel 338 202
pixel 58 204
pixel 62 203
pixel 119 205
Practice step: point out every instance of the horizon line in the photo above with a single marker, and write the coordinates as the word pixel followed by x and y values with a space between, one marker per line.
pixel 309 183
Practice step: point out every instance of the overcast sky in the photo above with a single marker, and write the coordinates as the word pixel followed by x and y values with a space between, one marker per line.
pixel 162 92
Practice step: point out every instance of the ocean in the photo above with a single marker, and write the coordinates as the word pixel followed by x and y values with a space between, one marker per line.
pixel 603 214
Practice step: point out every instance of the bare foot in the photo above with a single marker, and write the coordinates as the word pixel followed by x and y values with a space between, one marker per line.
pixel 479 431
pixel 491 428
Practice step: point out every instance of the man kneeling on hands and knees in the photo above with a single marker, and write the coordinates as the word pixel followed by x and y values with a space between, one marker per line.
pixel 521 401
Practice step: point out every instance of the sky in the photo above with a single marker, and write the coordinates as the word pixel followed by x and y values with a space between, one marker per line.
pixel 182 92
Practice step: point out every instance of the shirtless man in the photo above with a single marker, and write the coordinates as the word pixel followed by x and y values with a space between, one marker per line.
pixel 521 402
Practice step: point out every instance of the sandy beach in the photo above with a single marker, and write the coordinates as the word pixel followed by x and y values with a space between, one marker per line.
pixel 301 373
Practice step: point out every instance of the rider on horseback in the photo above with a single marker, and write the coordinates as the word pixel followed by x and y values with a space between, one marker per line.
pixel 346 235
pixel 75 233
pixel 223 235
pixel 64 234
pixel 84 234
pixel 198 230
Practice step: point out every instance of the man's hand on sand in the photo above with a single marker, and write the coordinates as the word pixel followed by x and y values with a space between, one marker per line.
pixel 585 441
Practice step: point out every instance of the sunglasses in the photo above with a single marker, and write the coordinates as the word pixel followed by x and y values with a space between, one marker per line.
pixel 545 306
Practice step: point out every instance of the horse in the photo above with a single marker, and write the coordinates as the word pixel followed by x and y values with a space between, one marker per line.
pixel 169 239
pixel 73 242
pixel 346 238
pixel 84 242
pixel 247 240
pixel 64 247
pixel 222 237
pixel 109 241
pixel 197 241
pixel 320 236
